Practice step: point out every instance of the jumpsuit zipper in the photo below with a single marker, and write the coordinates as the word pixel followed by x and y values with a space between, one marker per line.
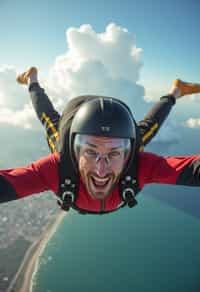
pixel 103 205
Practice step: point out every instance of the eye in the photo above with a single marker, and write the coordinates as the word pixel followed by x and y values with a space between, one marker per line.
pixel 114 154
pixel 90 152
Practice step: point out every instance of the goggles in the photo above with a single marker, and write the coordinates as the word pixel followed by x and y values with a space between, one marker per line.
pixel 91 147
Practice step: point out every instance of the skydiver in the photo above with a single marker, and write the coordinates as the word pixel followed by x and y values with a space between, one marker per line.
pixel 96 166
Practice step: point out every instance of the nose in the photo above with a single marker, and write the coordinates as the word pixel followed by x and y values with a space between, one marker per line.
pixel 102 167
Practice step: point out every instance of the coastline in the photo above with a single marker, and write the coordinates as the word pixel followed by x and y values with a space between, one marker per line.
pixel 29 265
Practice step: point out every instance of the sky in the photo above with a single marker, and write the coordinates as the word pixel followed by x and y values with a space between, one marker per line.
pixel 127 49
pixel 132 50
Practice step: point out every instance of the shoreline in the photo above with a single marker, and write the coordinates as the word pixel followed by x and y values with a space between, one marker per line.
pixel 31 258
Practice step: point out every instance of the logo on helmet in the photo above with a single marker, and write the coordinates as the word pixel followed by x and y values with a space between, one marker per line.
pixel 105 129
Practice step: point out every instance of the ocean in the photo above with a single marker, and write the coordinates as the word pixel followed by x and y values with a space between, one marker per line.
pixel 153 247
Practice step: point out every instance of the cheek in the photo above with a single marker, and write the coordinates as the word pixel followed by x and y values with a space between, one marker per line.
pixel 83 165
pixel 117 167
pixel 118 170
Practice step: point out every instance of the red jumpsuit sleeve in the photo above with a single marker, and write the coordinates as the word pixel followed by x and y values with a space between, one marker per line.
pixel 181 170
pixel 39 176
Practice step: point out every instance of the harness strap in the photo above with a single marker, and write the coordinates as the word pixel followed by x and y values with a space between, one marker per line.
pixel 69 187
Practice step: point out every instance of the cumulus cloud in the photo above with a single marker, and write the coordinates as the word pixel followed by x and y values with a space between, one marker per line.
pixel 15 107
pixel 193 123
pixel 107 63
pixel 22 118
pixel 168 134
pixel 12 96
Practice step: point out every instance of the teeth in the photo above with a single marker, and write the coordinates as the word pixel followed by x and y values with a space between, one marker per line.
pixel 101 180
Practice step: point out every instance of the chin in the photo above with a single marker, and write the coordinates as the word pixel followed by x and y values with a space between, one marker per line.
pixel 100 195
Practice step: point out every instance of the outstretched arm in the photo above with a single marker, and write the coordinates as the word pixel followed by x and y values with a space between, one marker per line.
pixel 160 111
pixel 181 170
pixel 37 177
pixel 42 105
pixel 155 118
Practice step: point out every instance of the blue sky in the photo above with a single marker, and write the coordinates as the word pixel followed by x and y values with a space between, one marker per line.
pixel 167 31
pixel 34 33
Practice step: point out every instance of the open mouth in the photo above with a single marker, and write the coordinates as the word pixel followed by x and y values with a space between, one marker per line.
pixel 100 182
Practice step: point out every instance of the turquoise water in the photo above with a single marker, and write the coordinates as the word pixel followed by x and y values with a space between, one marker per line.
pixel 153 247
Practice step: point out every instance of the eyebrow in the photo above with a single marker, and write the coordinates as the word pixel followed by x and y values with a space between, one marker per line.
pixel 95 146
pixel 90 144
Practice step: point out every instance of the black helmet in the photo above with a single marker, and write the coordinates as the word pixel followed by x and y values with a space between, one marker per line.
pixel 105 117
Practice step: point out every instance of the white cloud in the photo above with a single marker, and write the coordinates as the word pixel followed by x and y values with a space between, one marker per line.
pixel 23 118
pixel 15 108
pixel 107 63
pixel 168 134
pixel 193 123
pixel 11 95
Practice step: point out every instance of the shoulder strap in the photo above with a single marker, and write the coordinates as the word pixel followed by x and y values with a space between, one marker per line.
pixel 68 182
pixel 129 186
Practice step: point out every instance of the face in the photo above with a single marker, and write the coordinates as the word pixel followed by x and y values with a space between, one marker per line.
pixel 101 161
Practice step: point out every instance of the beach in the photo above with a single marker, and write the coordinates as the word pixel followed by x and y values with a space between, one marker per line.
pixel 29 265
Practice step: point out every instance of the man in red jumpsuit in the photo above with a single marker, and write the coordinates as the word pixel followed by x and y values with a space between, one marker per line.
pixel 103 144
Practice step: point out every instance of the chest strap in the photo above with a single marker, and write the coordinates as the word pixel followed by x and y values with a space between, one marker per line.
pixel 68 189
